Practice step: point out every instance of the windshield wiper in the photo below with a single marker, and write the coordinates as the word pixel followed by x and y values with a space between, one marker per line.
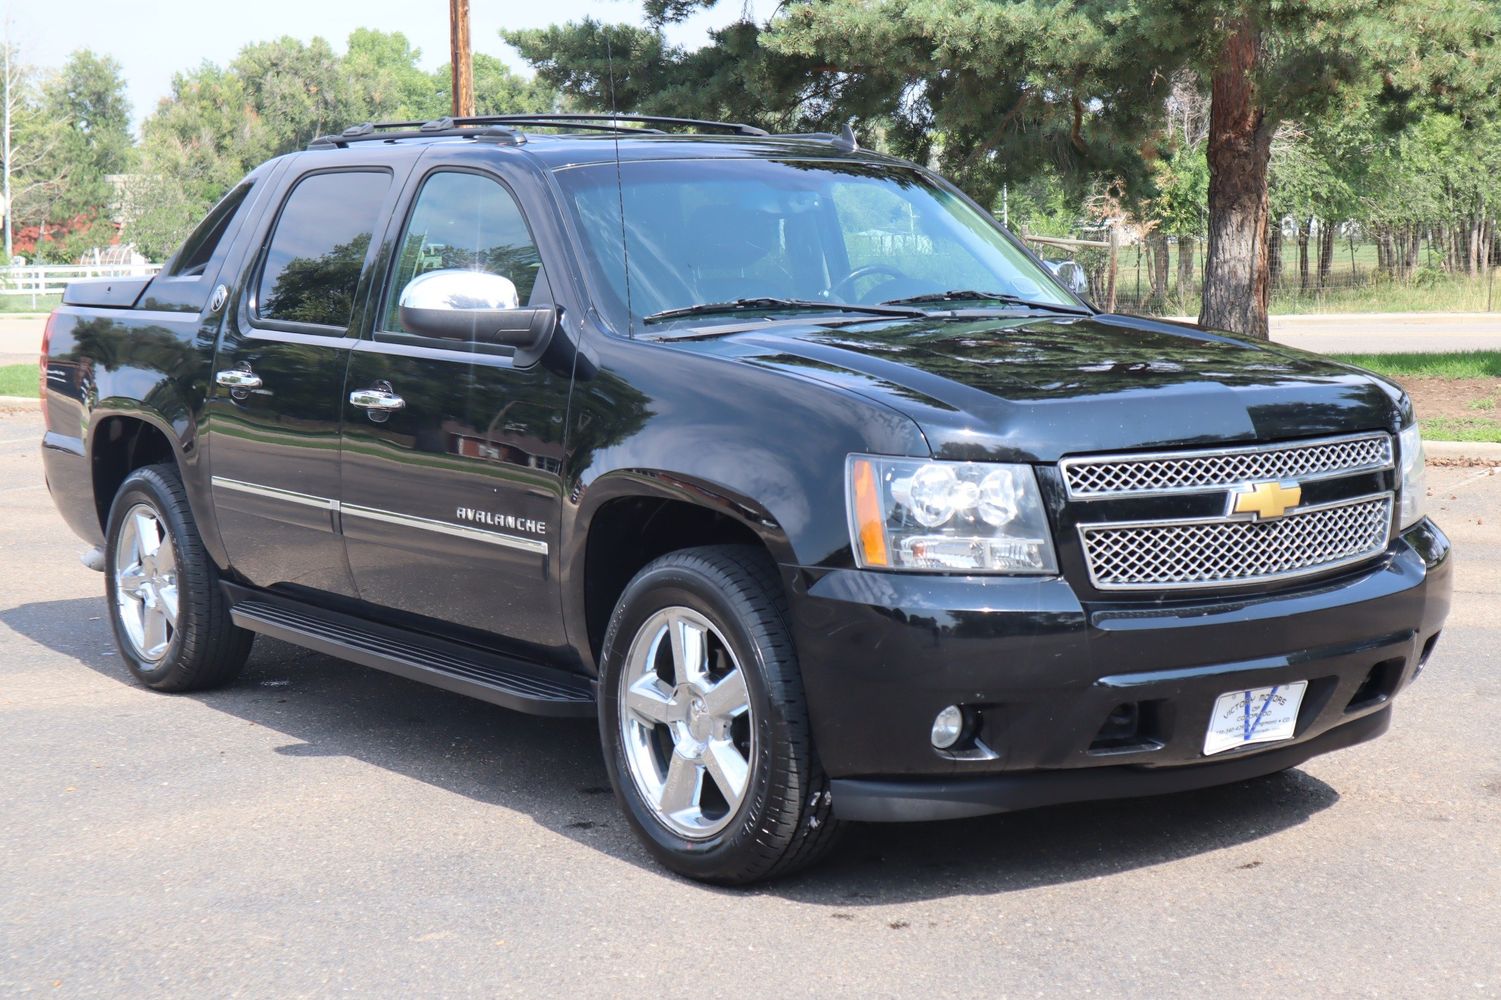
pixel 963 294
pixel 746 305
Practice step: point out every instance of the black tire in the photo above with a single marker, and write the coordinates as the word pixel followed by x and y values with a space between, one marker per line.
pixel 205 649
pixel 784 821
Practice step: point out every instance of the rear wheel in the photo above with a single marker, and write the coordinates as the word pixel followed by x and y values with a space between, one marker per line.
pixel 170 619
pixel 703 721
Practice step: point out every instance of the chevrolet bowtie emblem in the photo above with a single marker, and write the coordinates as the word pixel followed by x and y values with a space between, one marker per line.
pixel 1266 500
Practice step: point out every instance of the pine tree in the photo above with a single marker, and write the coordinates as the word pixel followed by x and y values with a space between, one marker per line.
pixel 1000 90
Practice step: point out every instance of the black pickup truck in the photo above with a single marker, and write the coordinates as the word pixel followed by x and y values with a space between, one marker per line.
pixel 778 455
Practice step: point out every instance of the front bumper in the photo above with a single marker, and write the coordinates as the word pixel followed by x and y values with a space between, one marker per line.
pixel 1048 679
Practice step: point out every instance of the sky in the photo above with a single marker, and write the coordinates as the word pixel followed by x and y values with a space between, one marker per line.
pixel 152 39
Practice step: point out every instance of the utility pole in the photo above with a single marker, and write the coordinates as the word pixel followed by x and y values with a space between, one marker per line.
pixel 5 143
pixel 461 60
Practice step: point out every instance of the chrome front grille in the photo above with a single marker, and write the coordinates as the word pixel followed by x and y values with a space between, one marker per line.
pixel 1115 476
pixel 1220 552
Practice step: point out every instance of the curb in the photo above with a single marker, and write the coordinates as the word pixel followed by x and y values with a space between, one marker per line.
pixel 1465 451
pixel 20 403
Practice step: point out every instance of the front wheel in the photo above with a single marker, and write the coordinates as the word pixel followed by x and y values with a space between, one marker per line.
pixel 703 720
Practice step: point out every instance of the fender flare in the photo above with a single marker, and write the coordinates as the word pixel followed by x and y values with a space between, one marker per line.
pixel 181 433
pixel 652 484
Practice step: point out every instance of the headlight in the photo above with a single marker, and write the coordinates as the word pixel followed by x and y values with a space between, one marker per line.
pixel 947 517
pixel 1414 484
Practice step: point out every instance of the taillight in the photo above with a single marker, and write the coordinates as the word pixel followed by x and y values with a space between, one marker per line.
pixel 46 352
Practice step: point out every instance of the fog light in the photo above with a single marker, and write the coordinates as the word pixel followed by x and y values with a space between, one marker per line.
pixel 948 726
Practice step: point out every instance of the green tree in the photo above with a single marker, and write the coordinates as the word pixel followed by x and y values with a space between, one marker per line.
pixel 1042 205
pixel 1014 87
pixel 200 142
pixel 86 101
pixel 298 90
pixel 34 174
pixel 69 133
pixel 385 82
pixel 1442 176
pixel 601 67
pixel 498 90
pixel 1178 210
pixel 276 97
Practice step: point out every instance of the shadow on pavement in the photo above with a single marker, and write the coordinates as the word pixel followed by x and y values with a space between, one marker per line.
pixel 551 770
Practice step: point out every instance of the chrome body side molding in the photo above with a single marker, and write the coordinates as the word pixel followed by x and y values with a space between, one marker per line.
pixel 534 545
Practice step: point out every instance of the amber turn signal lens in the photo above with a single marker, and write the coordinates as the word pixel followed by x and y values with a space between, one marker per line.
pixel 868 520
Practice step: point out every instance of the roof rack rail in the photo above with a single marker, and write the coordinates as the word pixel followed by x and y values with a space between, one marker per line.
pixel 845 141
pixel 494 127
pixel 734 128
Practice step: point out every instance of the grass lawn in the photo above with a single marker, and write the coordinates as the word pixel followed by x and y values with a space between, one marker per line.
pixel 1451 295
pixel 1461 429
pixel 1431 364
pixel 1457 394
pixel 18 380
pixel 22 303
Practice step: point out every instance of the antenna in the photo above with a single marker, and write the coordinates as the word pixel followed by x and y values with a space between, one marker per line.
pixel 625 248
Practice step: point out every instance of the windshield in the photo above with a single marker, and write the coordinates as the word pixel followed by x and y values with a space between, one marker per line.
pixel 717 231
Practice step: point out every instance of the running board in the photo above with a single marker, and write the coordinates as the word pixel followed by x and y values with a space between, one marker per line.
pixel 513 684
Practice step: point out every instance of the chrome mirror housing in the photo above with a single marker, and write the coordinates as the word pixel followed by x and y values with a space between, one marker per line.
pixel 453 289
pixel 476 307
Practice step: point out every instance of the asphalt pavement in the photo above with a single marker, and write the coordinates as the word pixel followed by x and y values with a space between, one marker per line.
pixel 319 828
pixel 1382 333
pixel 21 337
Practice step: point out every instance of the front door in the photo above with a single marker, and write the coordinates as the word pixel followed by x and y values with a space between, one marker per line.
pixel 275 397
pixel 450 499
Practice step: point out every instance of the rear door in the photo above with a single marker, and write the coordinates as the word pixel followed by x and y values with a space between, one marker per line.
pixel 450 502
pixel 275 401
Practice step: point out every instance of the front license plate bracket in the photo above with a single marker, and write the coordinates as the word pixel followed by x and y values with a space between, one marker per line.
pixel 1254 715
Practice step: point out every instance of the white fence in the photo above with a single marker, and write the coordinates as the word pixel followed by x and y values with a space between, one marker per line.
pixel 50 279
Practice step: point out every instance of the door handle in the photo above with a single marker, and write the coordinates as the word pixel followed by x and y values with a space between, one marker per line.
pixel 239 378
pixel 379 398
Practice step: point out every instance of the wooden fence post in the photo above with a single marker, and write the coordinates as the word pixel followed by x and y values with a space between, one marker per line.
pixel 1115 245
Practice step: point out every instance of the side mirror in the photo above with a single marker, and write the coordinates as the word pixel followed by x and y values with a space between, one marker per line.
pixel 476 307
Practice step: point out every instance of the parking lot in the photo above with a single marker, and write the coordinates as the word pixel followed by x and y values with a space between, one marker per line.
pixel 320 828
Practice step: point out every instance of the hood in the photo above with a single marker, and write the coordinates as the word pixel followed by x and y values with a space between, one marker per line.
pixel 1036 389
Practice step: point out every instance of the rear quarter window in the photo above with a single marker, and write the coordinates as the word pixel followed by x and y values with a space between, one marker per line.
pixel 199 247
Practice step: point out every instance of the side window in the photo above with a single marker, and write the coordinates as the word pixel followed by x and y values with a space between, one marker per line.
pixel 315 255
pixel 468 222
pixel 199 247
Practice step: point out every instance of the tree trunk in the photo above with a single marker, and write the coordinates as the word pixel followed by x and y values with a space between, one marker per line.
pixel 1185 267
pixel 1239 148
pixel 1326 252
pixel 1160 270
pixel 1304 231
pixel 1274 254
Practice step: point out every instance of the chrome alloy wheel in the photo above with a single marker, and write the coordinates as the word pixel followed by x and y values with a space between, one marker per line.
pixel 686 723
pixel 146 582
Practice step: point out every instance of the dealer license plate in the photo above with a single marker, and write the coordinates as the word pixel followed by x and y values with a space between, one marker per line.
pixel 1257 715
